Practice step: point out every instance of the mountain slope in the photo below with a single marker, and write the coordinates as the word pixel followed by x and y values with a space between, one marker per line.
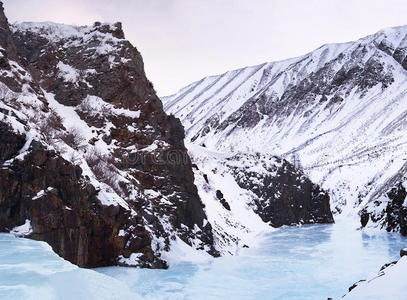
pixel 339 112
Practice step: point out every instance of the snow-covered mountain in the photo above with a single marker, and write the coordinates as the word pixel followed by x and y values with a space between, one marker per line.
pixel 339 112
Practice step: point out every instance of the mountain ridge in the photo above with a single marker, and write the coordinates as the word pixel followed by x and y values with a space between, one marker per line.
pixel 323 108
pixel 383 30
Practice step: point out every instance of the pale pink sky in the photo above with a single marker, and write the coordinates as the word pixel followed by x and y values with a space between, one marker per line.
pixel 184 40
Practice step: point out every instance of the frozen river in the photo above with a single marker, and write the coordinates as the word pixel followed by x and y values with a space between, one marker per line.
pixel 307 262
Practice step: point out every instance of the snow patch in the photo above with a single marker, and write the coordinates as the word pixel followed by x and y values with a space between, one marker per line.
pixel 133 259
pixel 182 252
pixel 22 230
pixel 68 73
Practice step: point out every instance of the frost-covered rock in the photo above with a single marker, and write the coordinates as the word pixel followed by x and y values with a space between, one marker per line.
pixel 339 112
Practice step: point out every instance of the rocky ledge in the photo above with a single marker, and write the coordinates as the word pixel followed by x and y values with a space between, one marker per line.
pixel 283 195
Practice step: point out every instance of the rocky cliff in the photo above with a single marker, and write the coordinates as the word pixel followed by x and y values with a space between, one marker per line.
pixel 88 156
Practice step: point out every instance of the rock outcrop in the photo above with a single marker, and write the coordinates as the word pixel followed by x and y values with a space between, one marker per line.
pixel 396 211
pixel 64 211
pixel 283 194
pixel 244 194
pixel 389 210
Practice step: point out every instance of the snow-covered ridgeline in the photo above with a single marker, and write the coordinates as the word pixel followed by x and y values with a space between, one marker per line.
pixel 71 35
pixel 338 111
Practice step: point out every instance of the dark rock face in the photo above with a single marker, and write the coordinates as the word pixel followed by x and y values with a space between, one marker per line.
pixel 284 195
pixel 98 74
pixel 364 217
pixel 6 38
pixel 394 217
pixel 10 143
pixel 396 213
pixel 65 212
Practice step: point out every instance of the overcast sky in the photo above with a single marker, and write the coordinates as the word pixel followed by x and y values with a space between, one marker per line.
pixel 184 40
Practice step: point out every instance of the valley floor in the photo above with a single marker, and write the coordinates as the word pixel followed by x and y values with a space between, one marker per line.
pixel 302 262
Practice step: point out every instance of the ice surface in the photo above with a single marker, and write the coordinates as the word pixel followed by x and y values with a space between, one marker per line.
pixel 307 262
pixel 30 270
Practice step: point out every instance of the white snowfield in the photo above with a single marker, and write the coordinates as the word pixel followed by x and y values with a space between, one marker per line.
pixel 356 147
pixel 390 283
